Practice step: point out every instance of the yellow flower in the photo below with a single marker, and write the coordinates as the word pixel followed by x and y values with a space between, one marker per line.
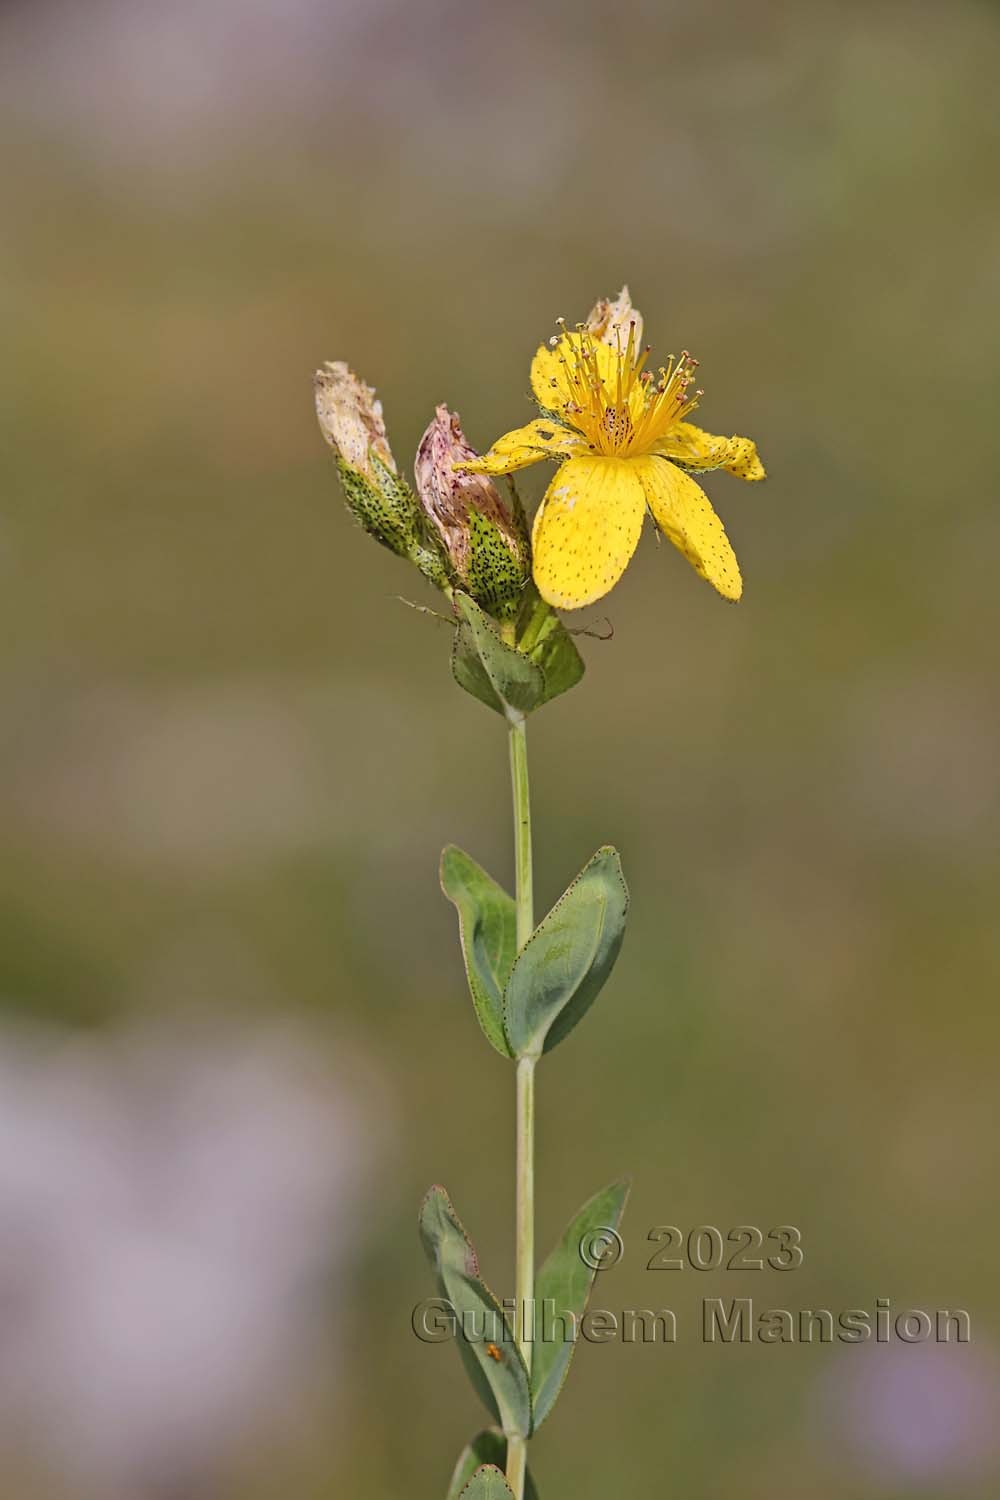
pixel 623 445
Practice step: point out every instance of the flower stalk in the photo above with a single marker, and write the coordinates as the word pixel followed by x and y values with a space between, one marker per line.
pixel 524 1225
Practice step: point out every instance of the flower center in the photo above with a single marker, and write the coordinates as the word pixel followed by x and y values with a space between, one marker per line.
pixel 617 406
pixel 617 428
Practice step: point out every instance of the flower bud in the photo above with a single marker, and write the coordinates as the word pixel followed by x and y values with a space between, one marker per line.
pixel 484 537
pixel 350 418
pixel 610 320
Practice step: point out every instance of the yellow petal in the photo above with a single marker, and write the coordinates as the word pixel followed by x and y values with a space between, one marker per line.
pixel 526 445
pixel 700 451
pixel 548 370
pixel 586 529
pixel 683 513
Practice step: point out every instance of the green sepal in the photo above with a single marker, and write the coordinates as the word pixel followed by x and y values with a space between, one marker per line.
pixel 487 921
pixel 487 1483
pixel 502 1383
pixel 386 507
pixel 487 1447
pixel 497 569
pixel 544 663
pixel 566 1281
pixel 561 969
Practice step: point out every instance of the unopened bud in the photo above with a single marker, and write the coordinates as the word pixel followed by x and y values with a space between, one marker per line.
pixel 350 418
pixel 611 318
pixel 484 536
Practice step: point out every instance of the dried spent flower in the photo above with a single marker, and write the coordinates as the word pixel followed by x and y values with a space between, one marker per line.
pixel 611 318
pixel 350 418
pixel 484 536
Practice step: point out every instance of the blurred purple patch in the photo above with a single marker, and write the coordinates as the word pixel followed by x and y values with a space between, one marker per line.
pixel 914 1415
pixel 179 1214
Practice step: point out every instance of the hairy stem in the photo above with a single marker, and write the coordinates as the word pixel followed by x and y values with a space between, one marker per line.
pixel 524 1243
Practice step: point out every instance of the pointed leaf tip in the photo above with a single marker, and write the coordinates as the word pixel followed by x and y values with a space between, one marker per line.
pixel 487 1483
pixel 487 1447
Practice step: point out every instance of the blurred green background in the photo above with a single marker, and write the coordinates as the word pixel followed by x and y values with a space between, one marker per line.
pixel 230 757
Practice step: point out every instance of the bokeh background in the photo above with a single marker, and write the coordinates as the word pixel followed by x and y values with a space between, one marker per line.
pixel 235 1044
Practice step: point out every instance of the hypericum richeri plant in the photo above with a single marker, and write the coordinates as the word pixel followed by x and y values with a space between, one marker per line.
pixel 623 443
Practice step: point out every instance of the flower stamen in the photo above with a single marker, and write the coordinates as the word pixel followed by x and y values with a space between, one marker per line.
pixel 611 399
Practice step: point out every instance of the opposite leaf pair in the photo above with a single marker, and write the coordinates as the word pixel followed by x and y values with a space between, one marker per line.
pixel 514 679
pixel 528 1002
pixel 517 1400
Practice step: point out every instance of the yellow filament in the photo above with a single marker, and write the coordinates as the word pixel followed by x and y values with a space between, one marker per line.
pixel 625 412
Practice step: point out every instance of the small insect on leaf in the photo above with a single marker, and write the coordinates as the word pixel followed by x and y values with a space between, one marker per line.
pixel 494 1352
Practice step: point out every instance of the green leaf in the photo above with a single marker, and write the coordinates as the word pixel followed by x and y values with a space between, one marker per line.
pixel 563 1289
pixel 560 661
pixel 469 672
pixel 544 664
pixel 487 1447
pixel 487 1483
pixel 491 1357
pixel 487 920
pixel 495 673
pixel 550 646
pixel 559 972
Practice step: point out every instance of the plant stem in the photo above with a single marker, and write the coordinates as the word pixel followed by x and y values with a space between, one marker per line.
pixel 522 832
pixel 524 1243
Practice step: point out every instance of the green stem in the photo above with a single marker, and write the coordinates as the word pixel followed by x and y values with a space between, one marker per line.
pixel 524 1243
pixel 522 831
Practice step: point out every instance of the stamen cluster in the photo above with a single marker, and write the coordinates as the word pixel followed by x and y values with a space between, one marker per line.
pixel 623 411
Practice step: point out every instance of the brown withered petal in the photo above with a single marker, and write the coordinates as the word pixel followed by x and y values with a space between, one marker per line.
pixel 350 416
pixel 610 320
pixel 448 497
pixel 485 538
